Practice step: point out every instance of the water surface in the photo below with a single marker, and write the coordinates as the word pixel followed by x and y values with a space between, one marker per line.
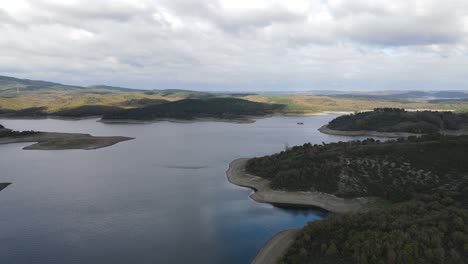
pixel 161 198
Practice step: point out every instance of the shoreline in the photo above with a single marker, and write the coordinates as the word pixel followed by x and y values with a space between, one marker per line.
pixel 326 130
pixel 64 141
pixel 275 248
pixel 264 194
pixel 247 120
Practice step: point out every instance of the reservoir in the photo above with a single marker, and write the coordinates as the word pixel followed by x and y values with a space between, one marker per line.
pixel 161 198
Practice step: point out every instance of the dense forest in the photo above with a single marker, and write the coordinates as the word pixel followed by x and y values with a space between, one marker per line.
pixel 4 132
pixel 394 170
pixel 424 178
pixel 427 229
pixel 33 112
pixel 226 108
pixel 399 120
pixel 87 110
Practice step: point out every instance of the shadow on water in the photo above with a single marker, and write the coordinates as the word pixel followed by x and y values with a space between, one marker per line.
pixel 303 210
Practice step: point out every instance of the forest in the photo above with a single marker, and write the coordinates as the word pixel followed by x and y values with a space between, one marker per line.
pixel 427 229
pixel 399 120
pixel 425 180
pixel 394 170
pixel 225 108
pixel 4 132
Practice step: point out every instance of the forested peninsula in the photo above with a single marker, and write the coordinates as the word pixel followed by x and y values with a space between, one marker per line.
pixel 57 141
pixel 391 121
pixel 424 179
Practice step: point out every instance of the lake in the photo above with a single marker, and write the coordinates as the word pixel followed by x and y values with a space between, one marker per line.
pixel 161 198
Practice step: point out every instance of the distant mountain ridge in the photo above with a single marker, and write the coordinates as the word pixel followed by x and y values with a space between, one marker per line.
pixel 11 86
pixel 401 95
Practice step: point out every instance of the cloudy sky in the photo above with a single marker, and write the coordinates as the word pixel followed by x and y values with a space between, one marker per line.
pixel 238 45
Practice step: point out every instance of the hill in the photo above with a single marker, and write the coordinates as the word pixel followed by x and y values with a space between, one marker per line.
pixel 87 111
pixel 428 229
pixel 409 95
pixel 20 94
pixel 394 170
pixel 12 87
pixel 399 120
pixel 224 108
pixel 425 179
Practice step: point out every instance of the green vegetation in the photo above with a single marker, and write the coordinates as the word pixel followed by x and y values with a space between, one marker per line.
pixel 394 170
pixel 12 133
pixel 41 98
pixel 33 112
pixel 427 229
pixel 225 108
pixel 142 102
pixel 300 104
pixel 87 110
pixel 399 120
pixel 425 179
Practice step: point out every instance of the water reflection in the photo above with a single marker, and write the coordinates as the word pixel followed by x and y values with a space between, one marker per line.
pixel 161 198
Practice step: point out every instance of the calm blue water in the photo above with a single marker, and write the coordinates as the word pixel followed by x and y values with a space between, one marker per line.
pixel 161 198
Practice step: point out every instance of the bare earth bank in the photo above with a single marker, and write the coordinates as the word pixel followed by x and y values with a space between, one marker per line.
pixel 64 141
pixel 277 246
pixel 264 194
pixel 326 130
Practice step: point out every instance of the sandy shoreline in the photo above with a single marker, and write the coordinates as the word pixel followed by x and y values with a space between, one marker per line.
pixel 326 130
pixel 64 141
pixel 277 246
pixel 264 194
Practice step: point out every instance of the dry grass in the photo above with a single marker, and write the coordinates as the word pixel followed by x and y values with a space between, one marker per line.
pixel 316 104
pixel 57 101
pixel 294 103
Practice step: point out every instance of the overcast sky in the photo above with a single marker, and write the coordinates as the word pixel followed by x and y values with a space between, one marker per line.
pixel 238 45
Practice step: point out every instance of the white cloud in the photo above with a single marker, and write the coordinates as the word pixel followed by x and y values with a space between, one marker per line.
pixel 254 44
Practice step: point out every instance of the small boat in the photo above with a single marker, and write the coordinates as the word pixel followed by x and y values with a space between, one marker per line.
pixel 300 123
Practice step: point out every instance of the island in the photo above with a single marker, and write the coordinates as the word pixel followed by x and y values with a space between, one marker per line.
pixel 223 109
pixel 397 122
pixel 421 181
pixel 57 141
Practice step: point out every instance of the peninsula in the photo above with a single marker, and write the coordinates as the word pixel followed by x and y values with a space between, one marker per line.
pixel 423 194
pixel 396 122
pixel 57 141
